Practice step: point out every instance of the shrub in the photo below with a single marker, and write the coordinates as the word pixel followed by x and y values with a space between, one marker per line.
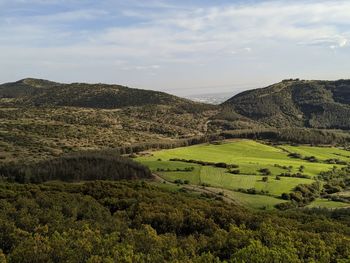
pixel 265 171
pixel 178 181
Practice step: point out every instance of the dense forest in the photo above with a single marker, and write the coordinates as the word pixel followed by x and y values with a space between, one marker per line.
pixel 86 166
pixel 136 222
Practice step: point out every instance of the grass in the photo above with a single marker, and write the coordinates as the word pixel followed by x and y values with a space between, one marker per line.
pixel 218 177
pixel 250 156
pixel 321 153
pixel 255 201
pixel 324 203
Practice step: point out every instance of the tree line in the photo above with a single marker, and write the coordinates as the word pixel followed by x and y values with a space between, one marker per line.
pixel 83 166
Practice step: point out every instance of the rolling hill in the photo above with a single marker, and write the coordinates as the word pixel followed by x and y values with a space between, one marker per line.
pixel 290 103
pixel 41 118
pixel 37 92
pixel 297 103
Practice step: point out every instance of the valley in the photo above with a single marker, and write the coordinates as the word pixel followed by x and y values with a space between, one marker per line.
pixel 107 173
pixel 174 131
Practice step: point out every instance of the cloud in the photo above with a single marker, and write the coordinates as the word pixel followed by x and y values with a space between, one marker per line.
pixel 147 67
pixel 199 30
pixel 145 36
pixel 207 31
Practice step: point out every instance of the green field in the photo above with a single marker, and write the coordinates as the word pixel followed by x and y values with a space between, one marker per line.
pixel 218 177
pixel 250 156
pixel 324 203
pixel 321 153
pixel 255 201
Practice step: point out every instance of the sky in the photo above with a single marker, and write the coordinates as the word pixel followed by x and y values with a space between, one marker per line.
pixel 181 47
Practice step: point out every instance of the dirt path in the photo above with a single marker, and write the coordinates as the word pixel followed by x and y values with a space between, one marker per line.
pixel 201 189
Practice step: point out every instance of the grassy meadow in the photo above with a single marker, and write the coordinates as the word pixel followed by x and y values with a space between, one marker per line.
pixel 321 153
pixel 323 203
pixel 250 156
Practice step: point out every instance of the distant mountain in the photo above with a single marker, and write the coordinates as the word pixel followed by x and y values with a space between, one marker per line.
pixel 36 92
pixel 296 103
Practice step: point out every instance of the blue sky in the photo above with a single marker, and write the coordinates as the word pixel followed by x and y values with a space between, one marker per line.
pixel 182 47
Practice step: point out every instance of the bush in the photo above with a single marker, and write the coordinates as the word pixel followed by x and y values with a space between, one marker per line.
pixel 311 159
pixel 295 155
pixel 285 196
pixel 178 181
pixel 265 171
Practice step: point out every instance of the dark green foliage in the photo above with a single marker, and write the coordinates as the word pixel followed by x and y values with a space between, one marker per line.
pixel 219 165
pixel 178 181
pixel 311 159
pixel 265 179
pixel 295 155
pixel 136 222
pixel 253 191
pixel 296 175
pixel 336 161
pixel 297 103
pixel 291 135
pixel 76 167
pixel 265 171
pixel 285 196
pixel 302 195
pixel 337 180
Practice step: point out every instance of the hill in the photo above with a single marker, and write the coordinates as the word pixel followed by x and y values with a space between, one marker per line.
pixel 36 92
pixel 40 118
pixel 297 103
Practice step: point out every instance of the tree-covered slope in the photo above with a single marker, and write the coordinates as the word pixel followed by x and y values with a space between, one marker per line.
pixel 35 92
pixel 137 222
pixel 302 103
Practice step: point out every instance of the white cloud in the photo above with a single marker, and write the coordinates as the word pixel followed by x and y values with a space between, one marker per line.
pixel 147 67
pixel 146 35
pixel 207 31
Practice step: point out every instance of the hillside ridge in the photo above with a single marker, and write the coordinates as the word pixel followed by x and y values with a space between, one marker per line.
pixel 297 103
pixel 39 92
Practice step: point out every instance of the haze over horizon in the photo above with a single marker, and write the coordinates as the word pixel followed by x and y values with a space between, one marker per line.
pixel 180 47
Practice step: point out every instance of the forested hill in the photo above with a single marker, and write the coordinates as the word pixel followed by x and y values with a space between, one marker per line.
pixel 36 92
pixel 301 103
pixel 290 103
